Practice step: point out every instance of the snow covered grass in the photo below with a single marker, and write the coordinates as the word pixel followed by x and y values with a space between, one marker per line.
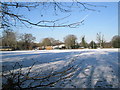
pixel 94 67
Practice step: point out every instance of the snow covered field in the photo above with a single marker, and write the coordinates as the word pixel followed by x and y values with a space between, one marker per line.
pixel 95 67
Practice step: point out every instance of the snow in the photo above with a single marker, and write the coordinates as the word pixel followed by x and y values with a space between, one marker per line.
pixel 95 67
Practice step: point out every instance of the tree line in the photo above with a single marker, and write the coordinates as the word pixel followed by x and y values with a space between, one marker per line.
pixel 26 41
pixel 17 42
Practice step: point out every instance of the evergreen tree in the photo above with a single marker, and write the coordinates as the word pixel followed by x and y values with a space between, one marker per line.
pixel 83 42
pixel 92 44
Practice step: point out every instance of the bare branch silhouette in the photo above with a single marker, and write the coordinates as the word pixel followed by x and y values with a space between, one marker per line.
pixel 7 14
pixel 17 79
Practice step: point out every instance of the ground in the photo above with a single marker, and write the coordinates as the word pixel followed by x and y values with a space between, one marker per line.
pixel 93 67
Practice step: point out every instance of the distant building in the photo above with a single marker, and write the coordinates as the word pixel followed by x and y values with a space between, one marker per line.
pixel 55 47
pixel 48 47
pixel 60 46
pixel 81 47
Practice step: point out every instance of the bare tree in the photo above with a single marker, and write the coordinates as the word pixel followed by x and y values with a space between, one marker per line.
pixel 70 41
pixel 103 41
pixel 100 39
pixel 0 40
pixel 9 38
pixel 55 42
pixel 27 40
pixel 10 18
pixel 46 42
pixel 49 42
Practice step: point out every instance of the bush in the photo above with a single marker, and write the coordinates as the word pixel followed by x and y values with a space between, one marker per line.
pixel 116 41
